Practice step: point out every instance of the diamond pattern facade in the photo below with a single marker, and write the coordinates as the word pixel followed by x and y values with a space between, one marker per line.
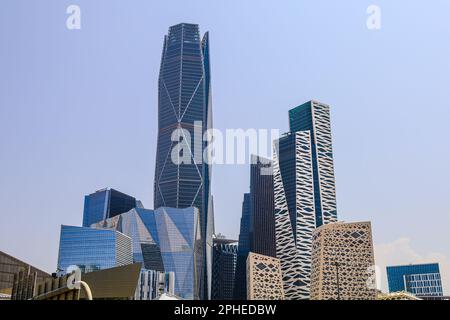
pixel 342 262
pixel 314 117
pixel 305 196
pixel 264 278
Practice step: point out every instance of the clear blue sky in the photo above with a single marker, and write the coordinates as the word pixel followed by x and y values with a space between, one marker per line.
pixel 78 109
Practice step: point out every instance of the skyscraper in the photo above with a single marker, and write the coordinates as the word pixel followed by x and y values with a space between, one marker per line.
pixel 182 177
pixel 9 266
pixel 165 240
pixel 262 222
pixel 314 116
pixel 104 204
pixel 422 280
pixel 240 287
pixel 93 249
pixel 304 190
pixel 342 262
pixel 224 269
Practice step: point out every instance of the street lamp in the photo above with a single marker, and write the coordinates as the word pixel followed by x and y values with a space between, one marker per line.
pixel 337 280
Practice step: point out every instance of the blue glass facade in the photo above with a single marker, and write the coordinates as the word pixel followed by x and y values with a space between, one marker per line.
pixel 240 287
pixel 262 226
pixel 165 239
pixel 420 279
pixel 288 165
pixel 139 224
pixel 105 204
pixel 224 269
pixel 93 249
pixel 184 102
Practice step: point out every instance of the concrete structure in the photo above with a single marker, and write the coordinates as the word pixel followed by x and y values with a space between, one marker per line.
pixel 113 283
pixel 343 262
pixel 185 111
pixel 264 278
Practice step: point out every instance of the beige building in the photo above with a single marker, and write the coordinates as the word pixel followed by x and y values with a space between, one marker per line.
pixel 343 262
pixel 118 283
pixel 264 280
pixel 9 266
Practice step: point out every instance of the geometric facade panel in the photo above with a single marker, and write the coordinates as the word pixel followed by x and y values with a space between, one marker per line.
pixel 314 116
pixel 343 262
pixel 294 211
pixel 224 269
pixel 165 240
pixel 264 278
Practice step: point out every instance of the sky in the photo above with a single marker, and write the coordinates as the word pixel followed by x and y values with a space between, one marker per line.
pixel 78 109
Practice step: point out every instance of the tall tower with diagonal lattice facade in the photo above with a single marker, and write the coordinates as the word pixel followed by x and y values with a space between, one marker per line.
pixel 314 116
pixel 184 108
pixel 304 190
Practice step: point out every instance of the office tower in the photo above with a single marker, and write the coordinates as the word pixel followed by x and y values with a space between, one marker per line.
pixel 257 232
pixel 264 278
pixel 343 262
pixel 240 286
pixel 422 280
pixel 165 239
pixel 104 204
pixel 224 268
pixel 295 217
pixel 304 189
pixel 184 109
pixel 314 116
pixel 93 249
pixel 152 284
pixel 9 266
pixel 140 225
pixel 24 285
